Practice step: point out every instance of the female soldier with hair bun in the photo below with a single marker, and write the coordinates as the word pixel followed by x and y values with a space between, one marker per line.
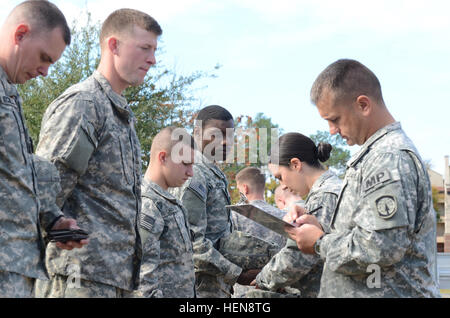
pixel 296 163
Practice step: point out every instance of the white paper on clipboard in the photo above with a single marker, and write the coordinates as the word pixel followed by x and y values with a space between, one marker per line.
pixel 262 217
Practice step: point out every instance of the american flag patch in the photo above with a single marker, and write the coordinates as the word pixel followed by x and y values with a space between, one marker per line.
pixel 147 222
pixel 198 189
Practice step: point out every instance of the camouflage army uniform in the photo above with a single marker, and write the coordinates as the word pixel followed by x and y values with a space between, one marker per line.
pixel 246 225
pixel 88 133
pixel 292 268
pixel 48 189
pixel 21 243
pixel 384 217
pixel 204 196
pixel 167 264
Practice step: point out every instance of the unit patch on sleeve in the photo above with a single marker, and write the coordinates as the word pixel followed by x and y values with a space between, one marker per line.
pixel 386 206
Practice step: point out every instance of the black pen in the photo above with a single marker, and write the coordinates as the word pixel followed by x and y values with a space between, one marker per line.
pixel 316 209
pixel 309 212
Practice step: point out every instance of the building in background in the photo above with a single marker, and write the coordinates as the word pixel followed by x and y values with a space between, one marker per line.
pixel 441 201
pixel 437 186
pixel 447 206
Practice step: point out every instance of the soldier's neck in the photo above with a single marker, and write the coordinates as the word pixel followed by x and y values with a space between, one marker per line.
pixel 155 176
pixel 255 196
pixel 109 72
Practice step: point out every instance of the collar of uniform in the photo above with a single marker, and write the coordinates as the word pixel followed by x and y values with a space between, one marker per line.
pixel 119 102
pixel 369 142
pixel 10 88
pixel 201 159
pixel 319 182
pixel 257 201
pixel 150 185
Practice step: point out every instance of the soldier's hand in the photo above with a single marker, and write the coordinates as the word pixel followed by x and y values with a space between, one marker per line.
pixel 66 223
pixel 305 235
pixel 247 277
pixel 253 283
pixel 294 213
pixel 308 219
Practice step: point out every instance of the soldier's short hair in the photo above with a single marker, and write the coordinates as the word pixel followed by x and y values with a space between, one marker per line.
pixel 346 79
pixel 253 177
pixel 213 112
pixel 43 15
pixel 168 137
pixel 123 20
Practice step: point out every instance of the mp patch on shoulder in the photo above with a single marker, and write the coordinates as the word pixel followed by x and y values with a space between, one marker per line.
pixel 386 206
pixel 198 188
pixel 375 179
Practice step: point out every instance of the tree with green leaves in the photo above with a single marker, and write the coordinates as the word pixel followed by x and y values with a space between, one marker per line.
pixel 165 98
pixel 253 139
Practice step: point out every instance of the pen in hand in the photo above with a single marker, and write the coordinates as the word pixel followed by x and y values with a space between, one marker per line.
pixel 308 212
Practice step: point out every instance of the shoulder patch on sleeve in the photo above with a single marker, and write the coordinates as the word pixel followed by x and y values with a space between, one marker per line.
pixel 198 188
pixel 386 206
pixel 376 179
pixel 147 222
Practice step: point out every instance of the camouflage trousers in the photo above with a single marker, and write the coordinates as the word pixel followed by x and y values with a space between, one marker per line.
pixel 209 286
pixel 59 287
pixel 14 285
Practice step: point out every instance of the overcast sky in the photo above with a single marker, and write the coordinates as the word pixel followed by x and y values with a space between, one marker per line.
pixel 272 51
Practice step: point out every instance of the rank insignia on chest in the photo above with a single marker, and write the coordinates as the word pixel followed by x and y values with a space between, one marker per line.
pixel 386 206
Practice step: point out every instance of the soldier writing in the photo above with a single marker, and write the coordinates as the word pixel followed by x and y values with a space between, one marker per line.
pixel 297 165
pixel 384 219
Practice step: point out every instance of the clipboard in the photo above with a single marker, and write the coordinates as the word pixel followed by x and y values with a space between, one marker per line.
pixel 262 217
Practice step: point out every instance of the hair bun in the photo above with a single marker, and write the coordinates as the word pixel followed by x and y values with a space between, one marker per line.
pixel 324 151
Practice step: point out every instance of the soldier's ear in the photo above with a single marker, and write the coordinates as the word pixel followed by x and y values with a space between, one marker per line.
pixel 364 105
pixel 21 31
pixel 162 157
pixel 113 45
pixel 246 189
pixel 296 164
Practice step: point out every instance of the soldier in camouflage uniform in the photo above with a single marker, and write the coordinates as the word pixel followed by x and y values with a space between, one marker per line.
pixel 251 183
pixel 299 170
pixel 33 36
pixel 204 196
pixel 89 134
pixel 167 268
pixel 383 232
pixel 48 186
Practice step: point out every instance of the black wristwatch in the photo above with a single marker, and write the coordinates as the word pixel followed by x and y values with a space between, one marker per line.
pixel 317 244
